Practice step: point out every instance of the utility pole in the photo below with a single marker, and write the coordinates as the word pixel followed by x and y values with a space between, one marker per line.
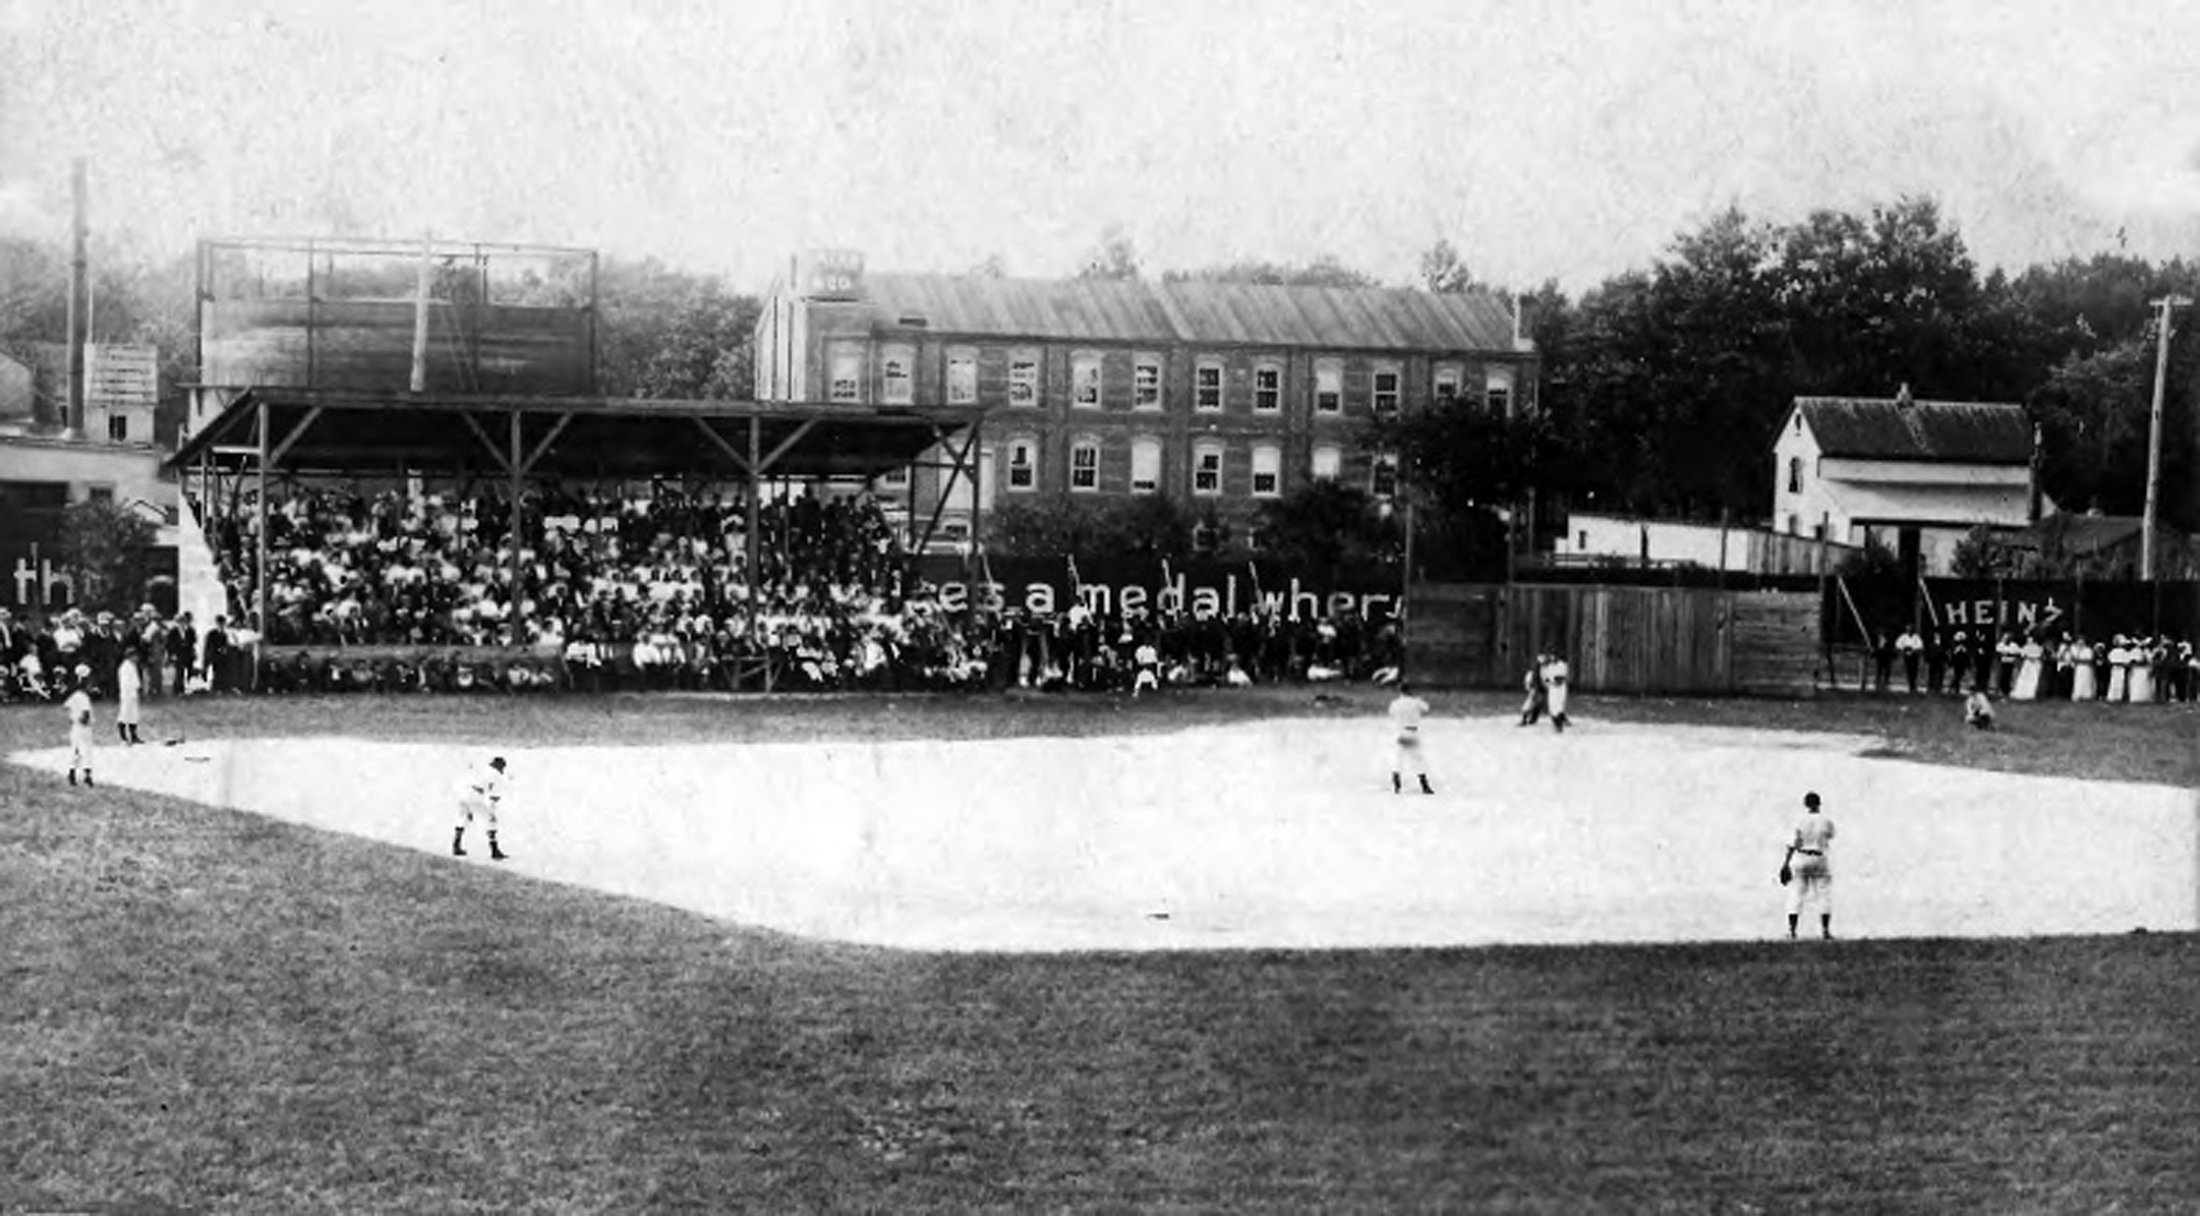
pixel 2154 434
pixel 79 320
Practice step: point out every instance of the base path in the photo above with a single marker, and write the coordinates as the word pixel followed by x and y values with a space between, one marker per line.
pixel 1276 834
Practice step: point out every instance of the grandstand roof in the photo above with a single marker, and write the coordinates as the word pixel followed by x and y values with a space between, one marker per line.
pixel 1193 311
pixel 567 437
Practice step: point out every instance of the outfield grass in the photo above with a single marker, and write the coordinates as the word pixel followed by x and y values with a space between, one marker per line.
pixel 210 1009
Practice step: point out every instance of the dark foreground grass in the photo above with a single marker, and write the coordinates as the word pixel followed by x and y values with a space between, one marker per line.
pixel 211 1010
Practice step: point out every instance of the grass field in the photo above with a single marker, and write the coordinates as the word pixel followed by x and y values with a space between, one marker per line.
pixel 211 1009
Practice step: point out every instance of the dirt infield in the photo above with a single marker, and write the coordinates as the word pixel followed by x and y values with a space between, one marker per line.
pixel 1276 834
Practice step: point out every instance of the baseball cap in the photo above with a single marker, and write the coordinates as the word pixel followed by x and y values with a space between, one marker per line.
pixel 1811 799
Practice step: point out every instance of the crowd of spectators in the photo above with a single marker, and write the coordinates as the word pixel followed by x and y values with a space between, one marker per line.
pixel 2038 666
pixel 391 591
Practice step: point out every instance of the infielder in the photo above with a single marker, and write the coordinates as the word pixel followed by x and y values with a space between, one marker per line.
pixel 1809 857
pixel 1406 712
pixel 1554 692
pixel 79 708
pixel 479 795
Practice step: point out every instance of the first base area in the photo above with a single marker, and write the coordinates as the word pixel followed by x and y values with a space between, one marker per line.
pixel 1275 834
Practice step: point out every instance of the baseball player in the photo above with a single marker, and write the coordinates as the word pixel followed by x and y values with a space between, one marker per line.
pixel 1809 863
pixel 1406 712
pixel 479 795
pixel 79 708
pixel 1554 691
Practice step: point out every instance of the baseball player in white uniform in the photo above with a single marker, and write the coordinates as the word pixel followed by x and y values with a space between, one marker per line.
pixel 1406 712
pixel 478 795
pixel 79 708
pixel 1555 675
pixel 1809 854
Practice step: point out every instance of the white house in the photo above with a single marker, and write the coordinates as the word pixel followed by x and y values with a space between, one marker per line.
pixel 1916 476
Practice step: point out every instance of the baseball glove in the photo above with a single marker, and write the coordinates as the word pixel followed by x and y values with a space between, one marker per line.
pixel 1787 875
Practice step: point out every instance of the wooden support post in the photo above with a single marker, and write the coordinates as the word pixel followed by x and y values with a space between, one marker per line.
pixel 261 597
pixel 753 536
pixel 513 612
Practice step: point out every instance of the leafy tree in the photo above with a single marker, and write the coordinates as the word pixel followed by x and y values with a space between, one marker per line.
pixel 1113 258
pixel 670 333
pixel 1323 271
pixel 1145 526
pixel 1443 271
pixel 1873 561
pixel 107 551
pixel 1328 526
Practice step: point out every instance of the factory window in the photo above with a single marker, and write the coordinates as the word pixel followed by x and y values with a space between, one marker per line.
pixel 1207 469
pixel 898 369
pixel 1207 387
pixel 1328 386
pixel 1146 383
pixel 1383 476
pixel 1384 400
pixel 962 377
pixel 1023 463
pixel 1023 378
pixel 118 427
pixel 1084 380
pixel 846 381
pixel 1145 465
pixel 1084 463
pixel 1498 391
pixel 1267 388
pixel 1328 462
pixel 1267 471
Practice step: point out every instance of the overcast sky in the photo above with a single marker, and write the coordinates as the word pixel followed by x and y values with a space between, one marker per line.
pixel 1544 139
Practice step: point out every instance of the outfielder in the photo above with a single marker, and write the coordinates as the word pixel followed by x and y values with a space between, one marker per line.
pixel 79 708
pixel 1807 871
pixel 1406 712
pixel 479 795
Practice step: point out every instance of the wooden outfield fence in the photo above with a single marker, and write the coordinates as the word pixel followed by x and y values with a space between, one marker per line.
pixel 1617 639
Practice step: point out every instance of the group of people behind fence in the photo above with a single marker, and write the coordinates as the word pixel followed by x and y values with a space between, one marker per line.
pixel 2035 666
pixel 40 656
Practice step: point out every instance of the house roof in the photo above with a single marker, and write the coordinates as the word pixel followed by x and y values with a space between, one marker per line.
pixel 1886 428
pixel 1194 311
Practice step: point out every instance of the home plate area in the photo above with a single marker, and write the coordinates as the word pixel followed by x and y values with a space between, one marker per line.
pixel 1276 834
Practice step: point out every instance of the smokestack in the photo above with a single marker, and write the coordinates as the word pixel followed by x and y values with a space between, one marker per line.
pixel 79 314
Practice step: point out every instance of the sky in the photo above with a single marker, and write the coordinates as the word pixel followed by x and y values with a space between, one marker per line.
pixel 1567 141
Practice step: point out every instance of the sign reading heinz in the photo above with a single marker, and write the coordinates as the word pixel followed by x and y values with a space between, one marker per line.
pixel 1043 586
